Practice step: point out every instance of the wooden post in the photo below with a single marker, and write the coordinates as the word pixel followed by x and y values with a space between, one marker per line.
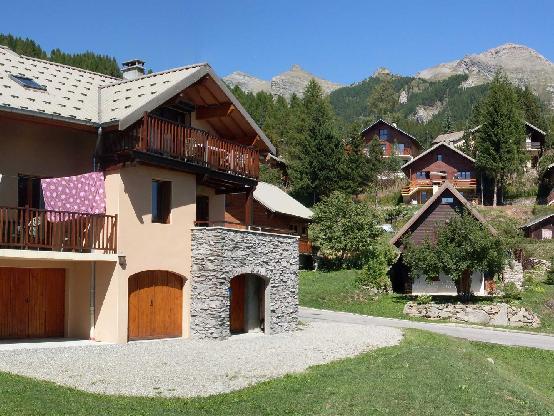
pixel 248 207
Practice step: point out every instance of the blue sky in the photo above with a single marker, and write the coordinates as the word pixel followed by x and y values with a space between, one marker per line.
pixel 341 40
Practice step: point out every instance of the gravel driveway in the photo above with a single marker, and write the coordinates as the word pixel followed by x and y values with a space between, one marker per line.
pixel 187 368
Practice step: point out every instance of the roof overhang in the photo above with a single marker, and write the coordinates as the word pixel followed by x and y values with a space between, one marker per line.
pixel 392 127
pixel 433 148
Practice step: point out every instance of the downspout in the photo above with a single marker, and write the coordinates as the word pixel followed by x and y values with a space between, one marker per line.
pixel 92 295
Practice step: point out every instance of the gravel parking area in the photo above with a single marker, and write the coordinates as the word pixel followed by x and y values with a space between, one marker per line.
pixel 187 368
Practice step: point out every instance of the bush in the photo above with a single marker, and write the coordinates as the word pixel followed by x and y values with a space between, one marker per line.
pixel 424 299
pixel 511 291
pixel 549 280
pixel 375 271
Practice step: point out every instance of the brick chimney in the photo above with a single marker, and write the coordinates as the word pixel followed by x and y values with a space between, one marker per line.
pixel 133 69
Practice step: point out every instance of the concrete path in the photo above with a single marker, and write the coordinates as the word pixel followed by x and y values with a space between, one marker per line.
pixel 495 336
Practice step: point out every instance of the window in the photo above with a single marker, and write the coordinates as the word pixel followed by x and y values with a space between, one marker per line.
pixel 447 200
pixel 421 175
pixel 202 210
pixel 161 201
pixel 29 192
pixel 383 134
pixel 28 82
pixel 439 158
pixel 384 148
pixel 423 197
pixel 463 175
pixel 399 148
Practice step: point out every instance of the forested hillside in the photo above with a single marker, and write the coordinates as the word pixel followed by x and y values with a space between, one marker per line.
pixel 91 61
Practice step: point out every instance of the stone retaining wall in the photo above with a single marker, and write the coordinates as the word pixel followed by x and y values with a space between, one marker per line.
pixel 500 314
pixel 513 273
pixel 219 254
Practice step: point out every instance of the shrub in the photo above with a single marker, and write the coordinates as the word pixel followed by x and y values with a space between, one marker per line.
pixel 511 291
pixel 549 280
pixel 424 299
pixel 375 271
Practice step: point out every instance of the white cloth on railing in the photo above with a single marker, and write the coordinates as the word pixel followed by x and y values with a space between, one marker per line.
pixel 83 194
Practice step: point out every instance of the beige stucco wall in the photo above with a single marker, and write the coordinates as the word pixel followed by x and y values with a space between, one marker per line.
pixel 147 245
pixel 40 150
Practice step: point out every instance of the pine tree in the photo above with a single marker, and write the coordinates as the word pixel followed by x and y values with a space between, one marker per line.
pixel 447 125
pixel 382 101
pixel 316 154
pixel 499 142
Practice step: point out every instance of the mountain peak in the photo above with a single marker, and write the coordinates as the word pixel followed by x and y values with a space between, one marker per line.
pixel 296 67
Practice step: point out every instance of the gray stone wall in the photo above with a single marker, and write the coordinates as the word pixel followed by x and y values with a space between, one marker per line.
pixel 500 314
pixel 513 272
pixel 219 254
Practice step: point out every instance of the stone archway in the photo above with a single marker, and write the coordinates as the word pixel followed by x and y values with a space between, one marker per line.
pixel 248 301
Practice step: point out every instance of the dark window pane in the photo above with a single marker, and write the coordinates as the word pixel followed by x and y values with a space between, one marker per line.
pixel 27 82
pixel 161 201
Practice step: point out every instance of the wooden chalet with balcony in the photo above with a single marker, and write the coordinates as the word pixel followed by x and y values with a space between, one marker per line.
pixel 427 173
pixel 394 141
pixel 152 254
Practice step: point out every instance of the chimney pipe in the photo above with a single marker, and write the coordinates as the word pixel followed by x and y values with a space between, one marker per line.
pixel 133 69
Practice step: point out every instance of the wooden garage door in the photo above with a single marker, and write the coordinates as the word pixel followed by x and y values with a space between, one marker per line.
pixel 32 303
pixel 155 305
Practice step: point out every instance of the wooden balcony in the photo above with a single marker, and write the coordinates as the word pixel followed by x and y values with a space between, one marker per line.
pixel 532 146
pixel 157 136
pixel 38 229
pixel 428 183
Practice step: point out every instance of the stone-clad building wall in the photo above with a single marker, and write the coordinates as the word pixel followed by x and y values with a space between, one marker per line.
pixel 219 254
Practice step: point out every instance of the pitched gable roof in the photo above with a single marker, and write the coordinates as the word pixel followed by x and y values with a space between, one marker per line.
pixel 392 126
pixel 276 200
pixel 435 147
pixel 446 186
pixel 537 220
pixel 449 137
pixel 90 98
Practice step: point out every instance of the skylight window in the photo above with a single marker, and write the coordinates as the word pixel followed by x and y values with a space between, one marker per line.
pixel 28 82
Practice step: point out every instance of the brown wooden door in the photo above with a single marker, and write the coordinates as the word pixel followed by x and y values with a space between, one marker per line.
pixel 238 294
pixel 32 303
pixel 155 305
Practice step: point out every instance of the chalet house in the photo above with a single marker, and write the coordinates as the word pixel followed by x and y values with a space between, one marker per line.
pixel 102 181
pixel 541 228
pixel 534 141
pixel 394 141
pixel 274 211
pixel 547 181
pixel 443 205
pixel 431 169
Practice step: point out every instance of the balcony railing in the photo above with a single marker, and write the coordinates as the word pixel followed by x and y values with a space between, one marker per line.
pixel 169 139
pixel 304 244
pixel 38 229
pixel 428 183
pixel 533 146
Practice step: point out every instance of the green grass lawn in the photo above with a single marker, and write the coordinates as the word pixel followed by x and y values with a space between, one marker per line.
pixel 427 374
pixel 338 291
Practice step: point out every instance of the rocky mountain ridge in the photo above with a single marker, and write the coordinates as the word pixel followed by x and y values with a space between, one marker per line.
pixel 521 64
pixel 290 82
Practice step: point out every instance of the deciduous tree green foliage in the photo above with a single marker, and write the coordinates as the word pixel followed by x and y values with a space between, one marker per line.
pixel 461 244
pixel 499 143
pixel 345 230
pixel 91 61
pixel 271 175
pixel 380 258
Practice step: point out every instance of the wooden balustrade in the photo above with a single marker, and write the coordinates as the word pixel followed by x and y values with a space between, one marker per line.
pixel 166 138
pixel 428 183
pixel 29 228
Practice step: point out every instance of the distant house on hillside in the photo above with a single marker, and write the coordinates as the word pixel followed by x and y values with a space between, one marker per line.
pixel 548 182
pixel 442 206
pixel 540 228
pixel 437 165
pixel 534 141
pixel 394 141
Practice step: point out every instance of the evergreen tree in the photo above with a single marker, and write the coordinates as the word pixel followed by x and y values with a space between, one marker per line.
pixel 382 101
pixel 499 142
pixel 447 125
pixel 317 154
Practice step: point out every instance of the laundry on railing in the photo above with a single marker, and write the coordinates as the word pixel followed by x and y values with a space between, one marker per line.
pixel 82 194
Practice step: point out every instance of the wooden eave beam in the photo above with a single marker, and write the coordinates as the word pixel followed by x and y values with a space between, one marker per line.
pixel 214 111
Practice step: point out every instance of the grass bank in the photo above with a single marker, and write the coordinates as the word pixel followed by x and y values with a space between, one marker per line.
pixel 427 374
pixel 338 291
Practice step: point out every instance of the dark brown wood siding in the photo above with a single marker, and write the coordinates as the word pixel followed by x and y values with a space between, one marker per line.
pixel 452 163
pixel 395 136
